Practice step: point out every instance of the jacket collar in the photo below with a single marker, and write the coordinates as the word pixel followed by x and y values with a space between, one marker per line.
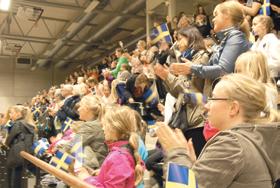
pixel 116 144
pixel 222 34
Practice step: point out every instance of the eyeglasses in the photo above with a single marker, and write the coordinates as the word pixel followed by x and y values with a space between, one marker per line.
pixel 219 99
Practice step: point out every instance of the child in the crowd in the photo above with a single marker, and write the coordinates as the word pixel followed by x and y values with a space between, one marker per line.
pixel 123 165
pixel 254 64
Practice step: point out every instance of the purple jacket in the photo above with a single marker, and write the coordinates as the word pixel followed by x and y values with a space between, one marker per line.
pixel 117 170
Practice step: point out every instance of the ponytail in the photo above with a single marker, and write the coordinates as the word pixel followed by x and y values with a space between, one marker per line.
pixel 139 170
pixel 245 28
pixel 272 115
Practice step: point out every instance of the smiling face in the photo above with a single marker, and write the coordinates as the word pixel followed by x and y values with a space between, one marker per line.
pixel 221 20
pixel 218 20
pixel 84 113
pixel 183 43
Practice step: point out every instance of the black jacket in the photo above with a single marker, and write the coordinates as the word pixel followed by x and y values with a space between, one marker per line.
pixel 20 138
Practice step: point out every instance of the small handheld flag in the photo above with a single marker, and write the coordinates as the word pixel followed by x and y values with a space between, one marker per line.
pixel 61 160
pixel 160 32
pixel 77 149
pixel 66 124
pixel 36 111
pixel 265 9
pixel 179 176
pixel 39 147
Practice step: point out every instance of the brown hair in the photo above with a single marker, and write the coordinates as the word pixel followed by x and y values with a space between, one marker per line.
pixel 141 78
pixel 120 50
pixel 195 39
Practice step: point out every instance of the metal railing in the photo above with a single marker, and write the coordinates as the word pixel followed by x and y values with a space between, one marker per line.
pixel 63 176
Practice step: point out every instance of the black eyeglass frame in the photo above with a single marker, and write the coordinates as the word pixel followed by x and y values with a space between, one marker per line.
pixel 219 99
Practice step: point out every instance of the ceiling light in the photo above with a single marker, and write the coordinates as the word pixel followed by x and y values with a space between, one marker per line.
pixel 30 13
pixel 5 5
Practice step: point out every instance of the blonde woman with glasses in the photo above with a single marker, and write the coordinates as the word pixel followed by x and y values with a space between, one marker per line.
pixel 245 153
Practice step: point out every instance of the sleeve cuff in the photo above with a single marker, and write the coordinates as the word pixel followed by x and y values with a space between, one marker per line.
pixel 180 156
pixel 196 69
pixel 170 78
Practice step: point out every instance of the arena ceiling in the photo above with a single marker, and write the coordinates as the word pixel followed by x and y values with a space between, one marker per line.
pixel 63 32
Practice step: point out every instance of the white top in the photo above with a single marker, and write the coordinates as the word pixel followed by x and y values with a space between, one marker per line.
pixel 269 45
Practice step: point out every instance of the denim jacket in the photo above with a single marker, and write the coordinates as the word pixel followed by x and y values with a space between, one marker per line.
pixel 233 43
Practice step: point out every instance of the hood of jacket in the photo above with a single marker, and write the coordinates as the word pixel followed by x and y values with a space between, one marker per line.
pixel 266 138
pixel 91 129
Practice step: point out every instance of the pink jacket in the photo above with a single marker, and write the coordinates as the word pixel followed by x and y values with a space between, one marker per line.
pixel 117 170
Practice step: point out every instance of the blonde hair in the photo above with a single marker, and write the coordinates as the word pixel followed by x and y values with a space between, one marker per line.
pixel 142 43
pixel 266 21
pixel 122 120
pixel 141 125
pixel 25 112
pixel 94 104
pixel 253 64
pixel 251 96
pixel 234 10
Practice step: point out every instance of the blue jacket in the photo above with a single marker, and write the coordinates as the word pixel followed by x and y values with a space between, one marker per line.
pixel 233 43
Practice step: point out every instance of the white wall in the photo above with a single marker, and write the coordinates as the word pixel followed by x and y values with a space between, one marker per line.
pixel 19 84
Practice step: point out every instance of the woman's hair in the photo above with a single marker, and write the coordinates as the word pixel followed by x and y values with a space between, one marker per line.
pixel 185 21
pixel 234 10
pixel 141 78
pixel 266 21
pixel 120 50
pixel 122 120
pixel 141 125
pixel 253 64
pixel 251 96
pixel 142 43
pixel 195 39
pixel 93 103
pixel 197 12
pixel 25 113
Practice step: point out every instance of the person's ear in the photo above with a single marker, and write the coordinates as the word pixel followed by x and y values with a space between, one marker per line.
pixel 234 108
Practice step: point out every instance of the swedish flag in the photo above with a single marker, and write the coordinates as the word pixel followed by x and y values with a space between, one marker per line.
pixel 36 110
pixel 151 95
pixel 265 9
pixel 61 160
pixel 39 147
pixel 160 32
pixel 179 176
pixel 77 149
pixel 195 98
pixel 66 124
